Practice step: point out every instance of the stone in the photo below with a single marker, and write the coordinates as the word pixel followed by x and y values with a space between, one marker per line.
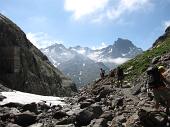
pixel 84 104
pixel 43 106
pixel 30 107
pixel 152 118
pixel 100 123
pixel 13 104
pixel 136 89
pixel 69 125
pixel 25 118
pixel 84 118
pixel 2 97
pixel 59 114
pixel 67 120
pixel 12 125
pixel 107 115
pixel 82 99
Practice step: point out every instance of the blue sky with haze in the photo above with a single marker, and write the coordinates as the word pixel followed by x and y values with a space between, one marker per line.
pixel 92 23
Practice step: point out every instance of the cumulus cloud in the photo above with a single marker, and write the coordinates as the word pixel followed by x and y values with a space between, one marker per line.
pixel 103 45
pixel 41 40
pixel 166 24
pixel 98 10
pixel 82 8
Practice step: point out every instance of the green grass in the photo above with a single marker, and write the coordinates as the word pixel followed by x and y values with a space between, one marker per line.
pixel 141 62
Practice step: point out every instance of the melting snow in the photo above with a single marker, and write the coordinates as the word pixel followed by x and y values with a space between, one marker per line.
pixel 80 73
pixel 26 98
pixel 110 51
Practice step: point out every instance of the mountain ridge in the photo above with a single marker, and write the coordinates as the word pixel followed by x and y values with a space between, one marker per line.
pixel 109 57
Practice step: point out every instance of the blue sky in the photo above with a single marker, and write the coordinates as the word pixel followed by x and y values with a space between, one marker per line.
pixel 92 23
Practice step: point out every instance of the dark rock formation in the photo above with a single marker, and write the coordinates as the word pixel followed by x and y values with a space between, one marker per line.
pixel 25 68
pixel 163 37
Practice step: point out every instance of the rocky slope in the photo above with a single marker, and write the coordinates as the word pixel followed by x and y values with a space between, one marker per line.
pixel 23 67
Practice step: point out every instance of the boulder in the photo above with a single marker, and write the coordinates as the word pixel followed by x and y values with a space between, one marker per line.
pixel 2 97
pixel 59 114
pixel 12 125
pixel 13 104
pixel 153 118
pixel 82 99
pixel 25 118
pixel 67 120
pixel 84 104
pixel 100 123
pixel 84 118
pixel 43 106
pixel 69 125
pixel 30 107
pixel 107 115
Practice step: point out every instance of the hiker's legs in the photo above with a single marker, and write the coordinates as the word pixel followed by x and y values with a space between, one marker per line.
pixel 156 106
pixel 157 98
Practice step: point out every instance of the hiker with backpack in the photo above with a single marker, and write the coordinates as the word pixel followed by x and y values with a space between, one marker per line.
pixel 102 73
pixel 120 76
pixel 157 84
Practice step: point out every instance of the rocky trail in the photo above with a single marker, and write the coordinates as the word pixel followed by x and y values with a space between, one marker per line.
pixel 97 105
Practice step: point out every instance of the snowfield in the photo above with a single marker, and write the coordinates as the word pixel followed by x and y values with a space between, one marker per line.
pixel 26 98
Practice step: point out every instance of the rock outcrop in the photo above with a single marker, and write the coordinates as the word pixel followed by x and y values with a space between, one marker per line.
pixel 25 68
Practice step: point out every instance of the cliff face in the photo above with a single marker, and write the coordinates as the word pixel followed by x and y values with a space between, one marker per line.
pixel 25 68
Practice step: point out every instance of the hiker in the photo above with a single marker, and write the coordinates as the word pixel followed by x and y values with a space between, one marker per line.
pixel 102 73
pixel 157 84
pixel 120 76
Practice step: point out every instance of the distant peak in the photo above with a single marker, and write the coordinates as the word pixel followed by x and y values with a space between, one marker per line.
pixel 123 42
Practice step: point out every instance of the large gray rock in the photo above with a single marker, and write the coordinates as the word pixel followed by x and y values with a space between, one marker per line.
pixel 25 68
pixel 25 119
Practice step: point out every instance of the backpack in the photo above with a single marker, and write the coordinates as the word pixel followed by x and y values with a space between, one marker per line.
pixel 154 77
pixel 120 72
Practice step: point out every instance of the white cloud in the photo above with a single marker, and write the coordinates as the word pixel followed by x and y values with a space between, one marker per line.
pixel 103 45
pixel 118 60
pixel 82 8
pixel 42 40
pixel 166 24
pixel 127 6
pixel 98 10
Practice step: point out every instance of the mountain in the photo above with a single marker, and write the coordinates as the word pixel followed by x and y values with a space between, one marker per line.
pixel 25 68
pixel 75 65
pixel 82 64
pixel 113 55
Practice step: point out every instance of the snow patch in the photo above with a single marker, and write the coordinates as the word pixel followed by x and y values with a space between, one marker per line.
pixel 26 98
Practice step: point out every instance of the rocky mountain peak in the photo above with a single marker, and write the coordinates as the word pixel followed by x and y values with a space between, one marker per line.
pixel 123 44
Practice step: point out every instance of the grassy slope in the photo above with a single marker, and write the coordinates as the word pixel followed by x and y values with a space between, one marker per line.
pixel 140 63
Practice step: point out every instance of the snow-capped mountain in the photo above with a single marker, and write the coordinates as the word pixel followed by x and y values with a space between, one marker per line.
pixel 83 64
pixel 113 55
pixel 80 68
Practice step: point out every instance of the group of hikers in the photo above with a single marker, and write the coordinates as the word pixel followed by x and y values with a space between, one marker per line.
pixel 119 74
pixel 156 84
